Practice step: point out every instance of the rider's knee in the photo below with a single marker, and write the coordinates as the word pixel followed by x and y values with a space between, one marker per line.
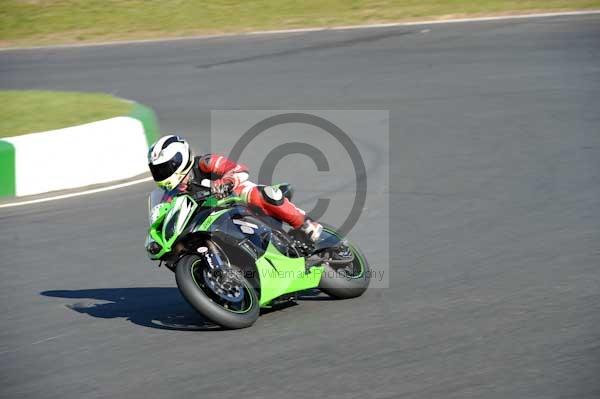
pixel 272 195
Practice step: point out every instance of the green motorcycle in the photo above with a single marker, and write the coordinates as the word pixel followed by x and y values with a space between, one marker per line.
pixel 229 260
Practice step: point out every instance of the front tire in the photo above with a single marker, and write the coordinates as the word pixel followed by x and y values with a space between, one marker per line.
pixel 191 280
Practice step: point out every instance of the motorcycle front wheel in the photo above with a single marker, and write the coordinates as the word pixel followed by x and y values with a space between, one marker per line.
pixel 221 294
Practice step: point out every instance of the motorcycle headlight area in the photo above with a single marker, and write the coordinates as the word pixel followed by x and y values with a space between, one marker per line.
pixel 153 248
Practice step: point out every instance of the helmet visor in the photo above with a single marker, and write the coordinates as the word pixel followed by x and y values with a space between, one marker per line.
pixel 165 170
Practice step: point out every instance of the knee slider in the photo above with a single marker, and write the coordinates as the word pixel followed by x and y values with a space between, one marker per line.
pixel 272 195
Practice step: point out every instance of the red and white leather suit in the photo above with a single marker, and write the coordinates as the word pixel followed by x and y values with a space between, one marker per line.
pixel 221 170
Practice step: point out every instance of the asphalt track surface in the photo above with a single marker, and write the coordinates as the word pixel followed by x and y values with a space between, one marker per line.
pixel 494 227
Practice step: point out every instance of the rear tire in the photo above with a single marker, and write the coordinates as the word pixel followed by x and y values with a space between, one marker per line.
pixel 338 283
pixel 196 293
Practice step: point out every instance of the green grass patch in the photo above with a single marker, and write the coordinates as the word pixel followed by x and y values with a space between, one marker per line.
pixel 35 22
pixel 25 112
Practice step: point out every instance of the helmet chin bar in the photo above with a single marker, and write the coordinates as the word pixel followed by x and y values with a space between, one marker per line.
pixel 172 182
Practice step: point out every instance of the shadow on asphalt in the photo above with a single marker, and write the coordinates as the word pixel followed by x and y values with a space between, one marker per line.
pixel 156 307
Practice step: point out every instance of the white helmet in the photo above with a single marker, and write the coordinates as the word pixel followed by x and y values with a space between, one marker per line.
pixel 169 160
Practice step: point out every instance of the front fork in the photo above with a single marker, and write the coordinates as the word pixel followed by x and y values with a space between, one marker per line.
pixel 207 250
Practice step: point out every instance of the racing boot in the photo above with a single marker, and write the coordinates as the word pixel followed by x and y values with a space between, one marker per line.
pixel 311 230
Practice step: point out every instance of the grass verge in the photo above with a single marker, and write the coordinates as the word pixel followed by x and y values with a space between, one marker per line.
pixel 25 112
pixel 39 22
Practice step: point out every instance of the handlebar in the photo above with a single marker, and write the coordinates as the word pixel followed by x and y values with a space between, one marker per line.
pixel 229 200
pixel 214 202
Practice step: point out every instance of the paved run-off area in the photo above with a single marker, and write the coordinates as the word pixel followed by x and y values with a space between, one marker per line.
pixel 494 230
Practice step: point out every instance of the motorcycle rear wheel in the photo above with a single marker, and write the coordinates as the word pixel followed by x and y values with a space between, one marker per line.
pixel 346 282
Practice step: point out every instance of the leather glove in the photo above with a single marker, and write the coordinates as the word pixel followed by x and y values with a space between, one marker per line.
pixel 221 188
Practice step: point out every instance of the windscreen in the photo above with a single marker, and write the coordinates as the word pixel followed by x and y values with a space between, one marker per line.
pixel 156 197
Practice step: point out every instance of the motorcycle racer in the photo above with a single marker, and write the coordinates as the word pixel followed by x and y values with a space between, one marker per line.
pixel 174 168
